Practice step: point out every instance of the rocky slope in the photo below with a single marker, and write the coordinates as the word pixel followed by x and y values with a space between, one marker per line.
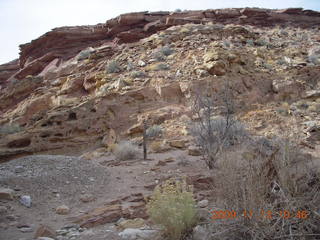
pixel 77 86
pixel 78 91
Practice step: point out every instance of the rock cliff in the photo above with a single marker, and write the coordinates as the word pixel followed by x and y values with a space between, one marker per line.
pixel 74 86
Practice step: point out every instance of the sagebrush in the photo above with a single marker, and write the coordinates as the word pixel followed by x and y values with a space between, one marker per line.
pixel 275 183
pixel 172 206
pixel 126 151
pixel 154 131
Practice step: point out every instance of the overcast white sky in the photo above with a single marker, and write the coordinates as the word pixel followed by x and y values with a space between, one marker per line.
pixel 24 20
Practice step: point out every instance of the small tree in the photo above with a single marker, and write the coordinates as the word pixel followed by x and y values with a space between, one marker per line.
pixel 213 134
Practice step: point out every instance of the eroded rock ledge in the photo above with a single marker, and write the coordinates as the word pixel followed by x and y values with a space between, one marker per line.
pixel 66 42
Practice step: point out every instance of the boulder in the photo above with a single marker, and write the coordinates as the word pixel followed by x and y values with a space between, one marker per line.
pixel 194 151
pixel 216 67
pixel 6 194
pixel 203 203
pixel 63 210
pixel 44 231
pixel 26 201
pixel 178 143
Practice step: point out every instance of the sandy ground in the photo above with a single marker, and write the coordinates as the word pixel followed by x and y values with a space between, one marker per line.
pixel 54 180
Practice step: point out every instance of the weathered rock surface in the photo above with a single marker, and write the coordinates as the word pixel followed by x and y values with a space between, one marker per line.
pixel 66 42
pixel 61 98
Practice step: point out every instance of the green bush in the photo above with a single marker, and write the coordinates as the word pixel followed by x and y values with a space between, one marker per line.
pixel 173 207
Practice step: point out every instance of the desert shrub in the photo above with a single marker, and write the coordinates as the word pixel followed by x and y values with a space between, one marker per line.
pixel 130 66
pixel 126 151
pixel 276 184
pixel 250 42
pixel 154 131
pixel 10 128
pixel 84 54
pixel 183 160
pixel 161 66
pixel 214 134
pixel 218 127
pixel 138 74
pixel 113 67
pixel 166 50
pixel 159 56
pixel 173 207
pixel 314 55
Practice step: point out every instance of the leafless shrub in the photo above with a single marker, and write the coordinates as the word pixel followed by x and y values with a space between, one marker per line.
pixel 273 189
pixel 126 151
pixel 214 134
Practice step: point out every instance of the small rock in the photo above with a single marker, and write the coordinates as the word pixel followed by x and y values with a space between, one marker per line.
pixel 138 234
pixel 44 231
pixel 13 224
pixel 200 233
pixel 194 151
pixel 26 229
pixel 6 194
pixel 141 63
pixel 3 210
pixel 216 68
pixel 85 198
pixel 204 215
pixel 25 200
pixel 62 210
pixel 201 72
pixel 19 169
pixel 131 223
pixel 3 225
pixel 11 218
pixel 204 203
pixel 178 143
pixel 312 94
pixel 44 238
pixel 161 163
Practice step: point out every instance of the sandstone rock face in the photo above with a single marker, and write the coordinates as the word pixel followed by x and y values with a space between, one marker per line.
pixel 61 98
pixel 7 70
pixel 66 42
